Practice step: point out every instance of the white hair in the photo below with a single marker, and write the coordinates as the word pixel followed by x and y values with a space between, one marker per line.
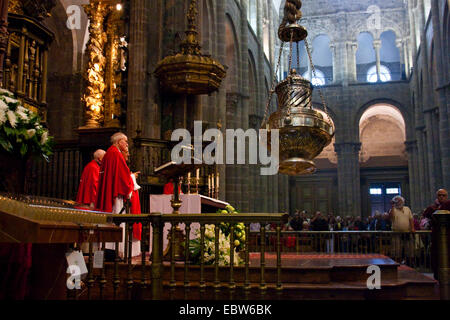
pixel 99 154
pixel 117 136
pixel 396 198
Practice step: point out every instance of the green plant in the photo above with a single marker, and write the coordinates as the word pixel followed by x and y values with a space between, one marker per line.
pixel 224 242
pixel 21 131
pixel 239 228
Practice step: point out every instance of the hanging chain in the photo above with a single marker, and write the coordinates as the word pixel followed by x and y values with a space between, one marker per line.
pixel 272 89
pixel 315 76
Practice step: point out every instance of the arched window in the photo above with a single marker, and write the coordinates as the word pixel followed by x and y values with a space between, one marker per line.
pixel 385 74
pixel 318 80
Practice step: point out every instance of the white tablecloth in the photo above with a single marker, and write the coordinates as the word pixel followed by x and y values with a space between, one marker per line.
pixel 191 203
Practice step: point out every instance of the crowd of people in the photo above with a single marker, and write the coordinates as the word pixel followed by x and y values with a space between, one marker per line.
pixel 305 221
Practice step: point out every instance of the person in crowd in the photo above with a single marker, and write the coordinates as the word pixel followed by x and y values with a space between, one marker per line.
pixel 376 222
pixel 416 221
pixel 385 223
pixel 305 226
pixel 319 223
pixel 441 198
pixel 87 189
pixel 296 222
pixel 438 204
pixel 401 216
pixel 402 221
pixel 338 225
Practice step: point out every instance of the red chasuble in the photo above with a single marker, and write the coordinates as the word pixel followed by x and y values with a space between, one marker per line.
pixel 136 209
pixel 169 186
pixel 87 190
pixel 115 179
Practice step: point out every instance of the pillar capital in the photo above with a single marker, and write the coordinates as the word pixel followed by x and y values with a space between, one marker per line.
pixel 376 44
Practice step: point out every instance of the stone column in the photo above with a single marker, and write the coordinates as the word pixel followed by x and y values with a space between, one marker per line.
pixel 412 28
pixel 4 34
pixel 261 92
pixel 442 101
pixel 245 95
pixel 221 95
pixel 334 53
pixel 399 45
pixel 349 188
pixel 377 47
pixel 137 71
pixel 424 187
pixel 411 149
pixel 431 151
pixel 352 47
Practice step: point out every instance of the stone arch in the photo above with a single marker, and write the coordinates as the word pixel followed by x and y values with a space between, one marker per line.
pixel 383 101
pixel 63 48
pixel 322 56
pixel 207 26
pixel 252 83
pixel 390 54
pixel 360 26
pixel 365 55
pixel 232 56
pixel 382 133
pixel 64 109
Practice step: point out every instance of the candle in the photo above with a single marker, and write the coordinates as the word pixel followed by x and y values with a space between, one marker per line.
pixel 189 176
pixel 197 173
pixel 212 182
pixel 217 181
pixel 209 184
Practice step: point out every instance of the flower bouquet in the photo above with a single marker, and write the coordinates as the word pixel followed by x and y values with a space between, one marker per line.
pixel 224 242
pixel 21 137
pixel 21 132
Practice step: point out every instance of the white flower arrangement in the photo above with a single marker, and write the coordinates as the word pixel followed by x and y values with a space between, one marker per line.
pixel 21 133
pixel 224 242
pixel 210 248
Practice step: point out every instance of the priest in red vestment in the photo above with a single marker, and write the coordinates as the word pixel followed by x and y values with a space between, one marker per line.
pixel 169 186
pixel 135 207
pixel 116 185
pixel 87 190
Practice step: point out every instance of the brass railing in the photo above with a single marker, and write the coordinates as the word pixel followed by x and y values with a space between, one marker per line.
pixel 155 276
pixel 411 248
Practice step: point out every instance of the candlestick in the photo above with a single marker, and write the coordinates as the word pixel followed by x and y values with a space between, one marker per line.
pixel 209 185
pixel 217 186
pixel 189 182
